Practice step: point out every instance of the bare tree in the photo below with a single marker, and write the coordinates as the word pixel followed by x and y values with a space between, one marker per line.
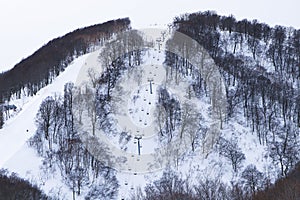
pixel 44 119
pixel 79 102
pixel 285 150
pixel 231 151
pixel 91 105
pixel 211 189
pixel 253 178
pixel 170 186
pixel 160 116
pixel 191 126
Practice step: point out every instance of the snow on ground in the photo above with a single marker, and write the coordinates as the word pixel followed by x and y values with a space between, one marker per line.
pixel 19 129
pixel 16 156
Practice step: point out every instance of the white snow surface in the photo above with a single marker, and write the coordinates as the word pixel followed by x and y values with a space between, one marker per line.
pixel 18 157
pixel 19 129
pixel 15 154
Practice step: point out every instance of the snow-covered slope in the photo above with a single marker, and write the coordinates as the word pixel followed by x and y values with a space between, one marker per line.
pixel 18 157
pixel 20 128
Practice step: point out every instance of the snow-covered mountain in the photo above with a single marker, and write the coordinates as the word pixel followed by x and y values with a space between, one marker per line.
pixel 154 109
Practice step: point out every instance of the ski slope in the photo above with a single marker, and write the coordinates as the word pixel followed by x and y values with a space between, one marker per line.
pixel 18 157
pixel 19 129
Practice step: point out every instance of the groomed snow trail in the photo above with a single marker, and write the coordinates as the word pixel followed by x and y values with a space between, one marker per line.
pixel 19 129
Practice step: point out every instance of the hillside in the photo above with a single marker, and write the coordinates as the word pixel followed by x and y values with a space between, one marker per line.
pixel 208 108
pixel 39 69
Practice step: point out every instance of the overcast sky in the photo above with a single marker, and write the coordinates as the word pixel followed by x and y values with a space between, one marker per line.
pixel 27 25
